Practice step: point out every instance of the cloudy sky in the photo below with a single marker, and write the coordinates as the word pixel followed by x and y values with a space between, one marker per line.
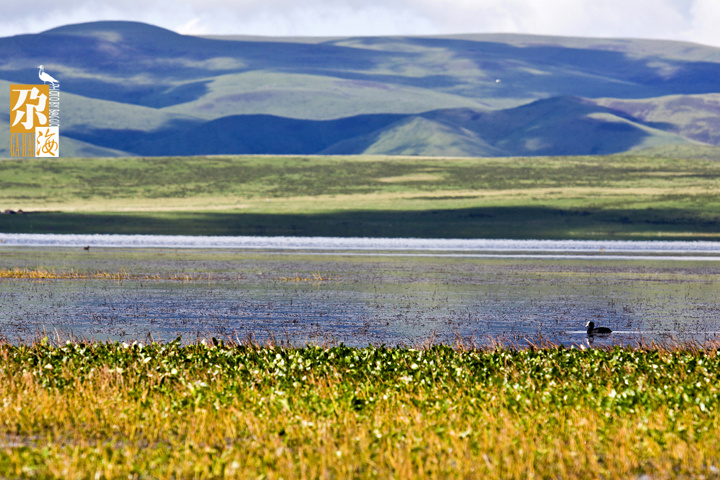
pixel 691 20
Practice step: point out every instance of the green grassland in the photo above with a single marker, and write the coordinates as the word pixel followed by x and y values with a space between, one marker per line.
pixel 96 410
pixel 646 195
pixel 312 96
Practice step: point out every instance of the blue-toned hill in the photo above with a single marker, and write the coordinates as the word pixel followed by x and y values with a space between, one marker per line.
pixel 138 89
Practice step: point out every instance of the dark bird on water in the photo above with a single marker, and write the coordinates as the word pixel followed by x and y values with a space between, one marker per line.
pixel 591 330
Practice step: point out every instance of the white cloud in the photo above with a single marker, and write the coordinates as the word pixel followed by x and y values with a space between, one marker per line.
pixel 705 26
pixel 318 19
pixel 694 20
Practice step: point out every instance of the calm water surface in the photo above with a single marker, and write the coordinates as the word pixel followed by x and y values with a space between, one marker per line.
pixel 707 249
pixel 344 297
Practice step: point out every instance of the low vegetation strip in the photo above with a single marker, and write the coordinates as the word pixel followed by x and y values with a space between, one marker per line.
pixel 630 196
pixel 111 410
pixel 45 274
pixel 314 277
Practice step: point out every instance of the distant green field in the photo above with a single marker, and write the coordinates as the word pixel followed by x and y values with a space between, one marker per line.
pixel 621 196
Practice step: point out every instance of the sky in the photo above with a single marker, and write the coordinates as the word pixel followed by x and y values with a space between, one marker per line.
pixel 688 20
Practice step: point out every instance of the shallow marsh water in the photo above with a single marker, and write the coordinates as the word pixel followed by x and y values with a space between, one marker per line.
pixel 336 297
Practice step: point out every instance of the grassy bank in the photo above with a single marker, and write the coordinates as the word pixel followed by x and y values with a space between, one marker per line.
pixel 170 411
pixel 621 196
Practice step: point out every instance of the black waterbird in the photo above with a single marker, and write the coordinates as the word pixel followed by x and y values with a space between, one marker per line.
pixel 591 330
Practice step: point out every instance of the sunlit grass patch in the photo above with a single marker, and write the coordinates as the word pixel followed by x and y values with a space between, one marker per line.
pixel 45 274
pixel 414 177
pixel 210 410
pixel 615 196
pixel 314 277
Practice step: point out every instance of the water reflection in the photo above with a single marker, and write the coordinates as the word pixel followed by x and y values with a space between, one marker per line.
pixel 367 300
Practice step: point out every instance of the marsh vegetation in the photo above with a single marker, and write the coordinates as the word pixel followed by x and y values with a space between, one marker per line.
pixel 99 410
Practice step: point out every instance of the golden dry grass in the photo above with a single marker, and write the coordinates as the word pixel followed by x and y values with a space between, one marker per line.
pixel 167 411
pixel 45 274
pixel 314 277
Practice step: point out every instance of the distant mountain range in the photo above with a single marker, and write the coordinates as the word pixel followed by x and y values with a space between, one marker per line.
pixel 135 89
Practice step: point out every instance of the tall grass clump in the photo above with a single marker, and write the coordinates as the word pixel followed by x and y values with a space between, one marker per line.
pixel 167 410
pixel 50 274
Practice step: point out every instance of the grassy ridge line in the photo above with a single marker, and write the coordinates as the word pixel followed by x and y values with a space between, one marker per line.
pixel 619 196
pixel 170 82
pixel 95 410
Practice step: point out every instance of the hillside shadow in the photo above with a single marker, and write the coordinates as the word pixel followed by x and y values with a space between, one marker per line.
pixel 557 126
pixel 140 64
pixel 491 222
pixel 584 72
pixel 257 134
pixel 127 139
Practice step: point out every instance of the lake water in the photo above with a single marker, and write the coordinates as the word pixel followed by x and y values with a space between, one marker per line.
pixel 378 245
pixel 362 291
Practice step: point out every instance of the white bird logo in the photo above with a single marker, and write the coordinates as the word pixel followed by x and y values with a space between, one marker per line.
pixel 45 77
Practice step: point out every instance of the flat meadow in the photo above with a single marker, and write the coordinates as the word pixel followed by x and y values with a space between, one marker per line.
pixel 643 195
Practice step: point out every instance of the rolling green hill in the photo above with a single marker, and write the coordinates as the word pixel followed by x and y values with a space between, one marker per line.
pixel 693 116
pixel 559 125
pixel 132 88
